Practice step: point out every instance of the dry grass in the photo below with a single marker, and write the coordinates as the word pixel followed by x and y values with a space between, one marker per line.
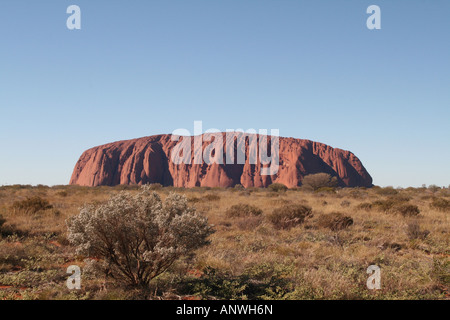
pixel 248 256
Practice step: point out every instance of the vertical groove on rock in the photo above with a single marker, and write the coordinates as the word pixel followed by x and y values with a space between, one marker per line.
pixel 148 160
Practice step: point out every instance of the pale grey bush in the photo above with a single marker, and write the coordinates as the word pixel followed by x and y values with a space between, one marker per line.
pixel 93 269
pixel 138 237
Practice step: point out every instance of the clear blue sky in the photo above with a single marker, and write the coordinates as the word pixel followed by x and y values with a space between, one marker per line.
pixel 309 68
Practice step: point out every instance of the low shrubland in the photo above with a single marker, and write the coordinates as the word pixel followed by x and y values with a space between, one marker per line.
pixel 335 221
pixel 32 205
pixel 136 238
pixel 293 244
pixel 243 210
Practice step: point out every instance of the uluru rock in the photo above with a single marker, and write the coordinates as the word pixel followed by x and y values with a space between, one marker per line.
pixel 149 160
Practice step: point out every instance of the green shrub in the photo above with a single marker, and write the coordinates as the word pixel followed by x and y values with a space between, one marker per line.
pixel 32 205
pixel 269 281
pixel 335 221
pixel 289 216
pixel 243 210
pixel 320 180
pixel 217 285
pixel 278 187
pixel 260 281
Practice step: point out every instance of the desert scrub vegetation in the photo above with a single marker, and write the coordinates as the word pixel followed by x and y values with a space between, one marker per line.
pixel 364 206
pixel 334 221
pixel 414 231
pixel 244 216
pixel 289 216
pixel 395 205
pixel 239 187
pixel 319 180
pixel 265 281
pixel 440 204
pixel 385 191
pixel 136 238
pixel 243 210
pixel 248 257
pixel 278 187
pixel 211 197
pixel 407 209
pixel 32 205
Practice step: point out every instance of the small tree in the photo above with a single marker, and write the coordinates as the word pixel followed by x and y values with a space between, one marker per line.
pixel 138 237
pixel 320 180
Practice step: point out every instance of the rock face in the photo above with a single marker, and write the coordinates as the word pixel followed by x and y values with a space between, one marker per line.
pixel 149 160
